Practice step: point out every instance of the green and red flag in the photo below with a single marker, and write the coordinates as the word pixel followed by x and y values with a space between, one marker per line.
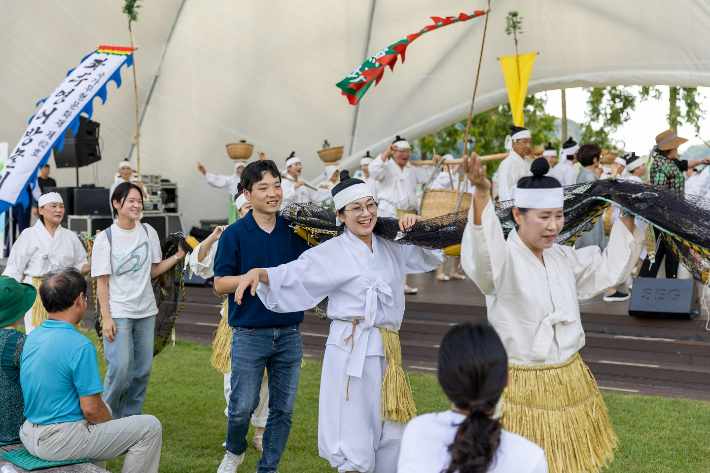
pixel 356 84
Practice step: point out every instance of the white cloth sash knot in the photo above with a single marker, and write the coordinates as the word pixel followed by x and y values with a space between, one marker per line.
pixel 546 333
pixel 377 291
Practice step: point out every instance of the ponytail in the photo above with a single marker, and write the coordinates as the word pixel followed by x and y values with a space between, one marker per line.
pixel 473 372
pixel 475 444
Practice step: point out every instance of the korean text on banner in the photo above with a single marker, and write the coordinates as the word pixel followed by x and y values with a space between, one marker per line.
pixel 60 111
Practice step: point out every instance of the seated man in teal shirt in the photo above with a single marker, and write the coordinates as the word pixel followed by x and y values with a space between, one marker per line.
pixel 66 417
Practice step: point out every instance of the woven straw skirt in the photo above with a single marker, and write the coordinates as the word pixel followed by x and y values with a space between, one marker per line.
pixel 560 408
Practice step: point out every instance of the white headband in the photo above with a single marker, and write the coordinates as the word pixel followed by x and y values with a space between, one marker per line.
pixel 365 160
pixel 521 134
pixel 123 164
pixel 509 140
pixel 564 152
pixel 401 144
pixel 239 164
pixel 293 160
pixel 330 169
pixel 349 194
pixel 620 160
pixel 636 163
pixel 549 152
pixel 553 198
pixel 241 200
pixel 49 198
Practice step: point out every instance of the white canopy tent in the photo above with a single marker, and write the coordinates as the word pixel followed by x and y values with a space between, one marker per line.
pixel 212 72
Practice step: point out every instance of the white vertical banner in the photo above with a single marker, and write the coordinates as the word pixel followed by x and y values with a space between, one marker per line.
pixel 59 112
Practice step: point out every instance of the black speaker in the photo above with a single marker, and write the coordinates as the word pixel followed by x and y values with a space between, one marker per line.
pixel 81 149
pixel 664 299
pixel 91 201
pixel 67 194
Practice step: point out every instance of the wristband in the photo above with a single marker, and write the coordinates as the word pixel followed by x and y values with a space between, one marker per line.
pixel 176 258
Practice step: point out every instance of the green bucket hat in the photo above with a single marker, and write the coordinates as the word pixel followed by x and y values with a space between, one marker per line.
pixel 15 299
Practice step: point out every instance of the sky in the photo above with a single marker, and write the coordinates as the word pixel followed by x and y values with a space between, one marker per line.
pixel 648 120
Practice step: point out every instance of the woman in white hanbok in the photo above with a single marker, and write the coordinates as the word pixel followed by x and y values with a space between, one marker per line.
pixel 202 263
pixel 364 398
pixel 44 247
pixel 532 288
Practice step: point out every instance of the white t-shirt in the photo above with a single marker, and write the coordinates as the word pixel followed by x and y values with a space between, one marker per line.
pixel 426 440
pixel 128 261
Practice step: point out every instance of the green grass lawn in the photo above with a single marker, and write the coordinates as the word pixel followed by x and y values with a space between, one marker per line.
pixel 185 393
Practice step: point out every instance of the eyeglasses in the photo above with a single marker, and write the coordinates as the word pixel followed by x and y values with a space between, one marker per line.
pixel 357 211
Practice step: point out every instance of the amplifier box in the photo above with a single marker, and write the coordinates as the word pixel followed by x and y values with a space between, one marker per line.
pixel 664 299
pixel 91 201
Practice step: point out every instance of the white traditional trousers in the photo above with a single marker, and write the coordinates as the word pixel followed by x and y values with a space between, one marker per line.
pixel 351 435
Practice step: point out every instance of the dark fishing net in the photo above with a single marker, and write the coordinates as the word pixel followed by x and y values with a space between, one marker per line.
pixel 169 290
pixel 684 223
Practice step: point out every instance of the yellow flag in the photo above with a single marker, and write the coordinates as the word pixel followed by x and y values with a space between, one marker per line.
pixel 517 82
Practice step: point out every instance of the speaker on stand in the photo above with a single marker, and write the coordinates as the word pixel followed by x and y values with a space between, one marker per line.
pixel 81 149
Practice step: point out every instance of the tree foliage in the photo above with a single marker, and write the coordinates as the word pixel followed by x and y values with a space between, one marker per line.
pixel 514 25
pixel 130 8
pixel 689 97
pixel 488 132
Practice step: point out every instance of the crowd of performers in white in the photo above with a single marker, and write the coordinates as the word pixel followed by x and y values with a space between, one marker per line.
pixel 521 370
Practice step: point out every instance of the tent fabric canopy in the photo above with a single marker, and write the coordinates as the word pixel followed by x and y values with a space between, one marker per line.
pixel 217 72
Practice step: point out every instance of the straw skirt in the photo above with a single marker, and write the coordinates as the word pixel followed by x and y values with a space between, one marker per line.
pixel 560 408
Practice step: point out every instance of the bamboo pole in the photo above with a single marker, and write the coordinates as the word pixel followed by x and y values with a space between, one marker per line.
pixel 490 157
pixel 135 91
pixel 475 87
pixel 289 178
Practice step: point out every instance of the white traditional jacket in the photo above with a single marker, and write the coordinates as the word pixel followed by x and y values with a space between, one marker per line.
pixel 359 283
pixel 534 307
pixel 303 194
pixel 510 171
pixel 224 181
pixel 565 172
pixel 36 252
pixel 397 187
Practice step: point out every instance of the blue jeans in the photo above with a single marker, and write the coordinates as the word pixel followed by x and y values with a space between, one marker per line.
pixel 280 351
pixel 130 360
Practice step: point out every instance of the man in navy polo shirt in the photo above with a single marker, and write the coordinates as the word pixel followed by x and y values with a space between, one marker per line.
pixel 260 338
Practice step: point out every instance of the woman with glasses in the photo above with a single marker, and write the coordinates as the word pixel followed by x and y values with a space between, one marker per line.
pixel 362 276
pixel 45 247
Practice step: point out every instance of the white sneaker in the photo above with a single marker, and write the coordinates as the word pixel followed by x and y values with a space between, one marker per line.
pixel 230 462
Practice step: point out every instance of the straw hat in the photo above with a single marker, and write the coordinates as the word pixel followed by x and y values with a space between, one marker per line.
pixel 668 140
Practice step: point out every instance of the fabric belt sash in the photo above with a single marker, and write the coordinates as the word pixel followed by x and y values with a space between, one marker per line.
pixel 546 333
pixel 396 400
pixel 376 291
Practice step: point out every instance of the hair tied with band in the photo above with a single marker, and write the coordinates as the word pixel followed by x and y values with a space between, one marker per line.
pixel 540 167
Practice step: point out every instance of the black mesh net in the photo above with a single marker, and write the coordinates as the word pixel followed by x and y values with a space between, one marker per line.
pixel 684 223
pixel 169 290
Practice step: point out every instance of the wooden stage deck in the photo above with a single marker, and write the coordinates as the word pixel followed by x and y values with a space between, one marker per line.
pixel 654 357
pixel 668 358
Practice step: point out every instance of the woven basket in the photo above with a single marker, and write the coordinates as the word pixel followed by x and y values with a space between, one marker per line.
pixel 607 220
pixel 240 151
pixel 331 155
pixel 608 157
pixel 438 202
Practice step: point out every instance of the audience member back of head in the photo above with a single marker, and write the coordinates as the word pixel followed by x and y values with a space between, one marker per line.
pixel 473 372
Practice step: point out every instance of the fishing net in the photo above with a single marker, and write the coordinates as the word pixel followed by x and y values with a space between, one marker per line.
pixel 169 291
pixel 684 223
